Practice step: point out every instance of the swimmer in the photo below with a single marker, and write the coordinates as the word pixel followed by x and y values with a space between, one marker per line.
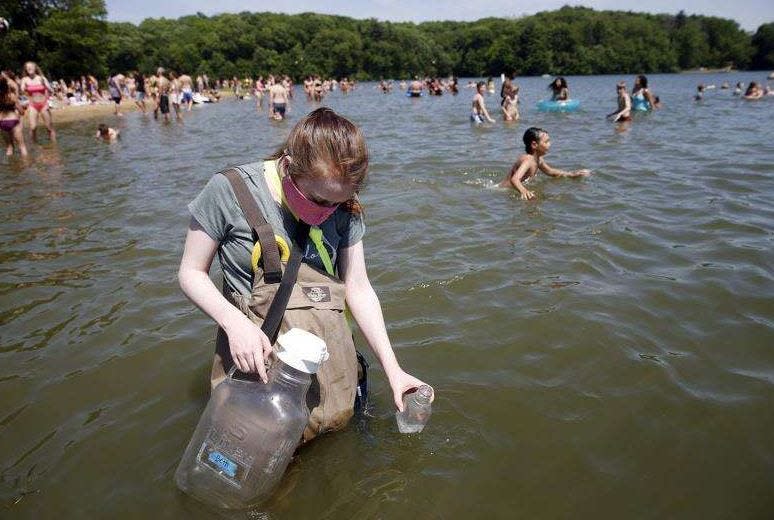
pixel 175 95
pixel 115 87
pixel 559 90
pixel 11 111
pixel 278 101
pixel 624 105
pixel 754 91
pixel 739 89
pixel 37 88
pixel 259 88
pixel 106 133
pixel 186 88
pixel 162 99
pixel 699 92
pixel 415 89
pixel 478 109
pixel 642 98
pixel 536 144
pixel 510 102
pixel 139 91
pixel 490 85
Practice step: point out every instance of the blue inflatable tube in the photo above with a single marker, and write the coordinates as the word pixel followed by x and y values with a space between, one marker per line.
pixel 414 94
pixel 547 105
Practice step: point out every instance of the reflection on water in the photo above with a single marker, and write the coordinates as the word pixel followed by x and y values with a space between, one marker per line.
pixel 604 350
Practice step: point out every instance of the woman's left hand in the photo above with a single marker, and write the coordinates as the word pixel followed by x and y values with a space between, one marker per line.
pixel 401 383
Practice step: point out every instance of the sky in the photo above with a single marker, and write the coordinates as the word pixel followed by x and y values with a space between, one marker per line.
pixel 749 13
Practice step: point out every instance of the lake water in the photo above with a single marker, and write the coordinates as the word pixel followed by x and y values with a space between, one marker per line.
pixel 605 351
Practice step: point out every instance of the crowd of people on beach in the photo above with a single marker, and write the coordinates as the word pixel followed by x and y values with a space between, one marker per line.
pixel 166 92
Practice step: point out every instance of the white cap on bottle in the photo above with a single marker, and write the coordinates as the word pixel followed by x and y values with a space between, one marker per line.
pixel 301 350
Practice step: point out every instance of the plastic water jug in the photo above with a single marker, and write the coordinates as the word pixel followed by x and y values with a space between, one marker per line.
pixel 249 430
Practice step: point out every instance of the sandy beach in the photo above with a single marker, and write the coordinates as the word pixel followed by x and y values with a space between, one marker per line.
pixel 72 113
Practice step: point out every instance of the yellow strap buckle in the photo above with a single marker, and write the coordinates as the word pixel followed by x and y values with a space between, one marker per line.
pixel 284 251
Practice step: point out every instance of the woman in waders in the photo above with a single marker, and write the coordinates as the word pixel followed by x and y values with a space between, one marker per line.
pixel 303 198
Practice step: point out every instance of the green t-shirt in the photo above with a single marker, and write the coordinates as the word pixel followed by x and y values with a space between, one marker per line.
pixel 217 211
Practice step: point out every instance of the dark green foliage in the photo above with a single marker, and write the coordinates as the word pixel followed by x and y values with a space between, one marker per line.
pixel 71 37
pixel 763 43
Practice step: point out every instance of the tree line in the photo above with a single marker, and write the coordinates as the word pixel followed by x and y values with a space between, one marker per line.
pixel 69 38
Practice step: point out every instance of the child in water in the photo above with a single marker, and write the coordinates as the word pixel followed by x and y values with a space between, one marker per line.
pixel 624 105
pixel 559 90
pixel 478 110
pixel 536 145
pixel 106 133
pixel 699 92
pixel 510 103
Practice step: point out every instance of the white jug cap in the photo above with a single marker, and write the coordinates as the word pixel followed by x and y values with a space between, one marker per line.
pixel 301 350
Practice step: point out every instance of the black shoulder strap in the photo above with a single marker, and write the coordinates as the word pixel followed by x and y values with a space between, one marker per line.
pixel 262 230
pixel 271 324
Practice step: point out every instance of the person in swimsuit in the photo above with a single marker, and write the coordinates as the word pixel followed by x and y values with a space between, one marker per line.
pixel 106 133
pixel 510 102
pixel 536 145
pixel 415 89
pixel 259 88
pixel 186 88
pixel 115 87
pixel 699 92
pixel 478 111
pixel 278 101
pixel 162 101
pixel 624 105
pixel 175 95
pixel 559 90
pixel 37 88
pixel 642 98
pixel 754 91
pixel 139 91
pixel 11 111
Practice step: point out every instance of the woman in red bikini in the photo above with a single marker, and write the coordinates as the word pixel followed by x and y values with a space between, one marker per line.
pixel 10 117
pixel 37 88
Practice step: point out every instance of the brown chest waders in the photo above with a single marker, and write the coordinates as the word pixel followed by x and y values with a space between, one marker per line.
pixel 296 296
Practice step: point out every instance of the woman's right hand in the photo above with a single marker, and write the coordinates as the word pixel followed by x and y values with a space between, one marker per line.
pixel 249 345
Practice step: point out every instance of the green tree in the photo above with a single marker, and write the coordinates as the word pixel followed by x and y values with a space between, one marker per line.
pixel 73 39
pixel 763 43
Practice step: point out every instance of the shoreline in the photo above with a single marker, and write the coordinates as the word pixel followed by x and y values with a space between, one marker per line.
pixel 73 113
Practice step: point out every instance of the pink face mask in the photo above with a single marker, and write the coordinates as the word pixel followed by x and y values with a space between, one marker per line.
pixel 310 212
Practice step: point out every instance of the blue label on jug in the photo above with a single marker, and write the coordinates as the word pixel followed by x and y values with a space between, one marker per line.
pixel 228 466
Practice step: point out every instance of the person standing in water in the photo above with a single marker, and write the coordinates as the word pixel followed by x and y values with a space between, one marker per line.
pixel 186 88
pixel 175 95
pixel 139 91
pixel 478 111
pixel 162 101
pixel 115 86
pixel 309 186
pixel 536 145
pixel 37 88
pixel 559 90
pixel 415 89
pixel 510 102
pixel 11 111
pixel 624 105
pixel 642 98
pixel 278 101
